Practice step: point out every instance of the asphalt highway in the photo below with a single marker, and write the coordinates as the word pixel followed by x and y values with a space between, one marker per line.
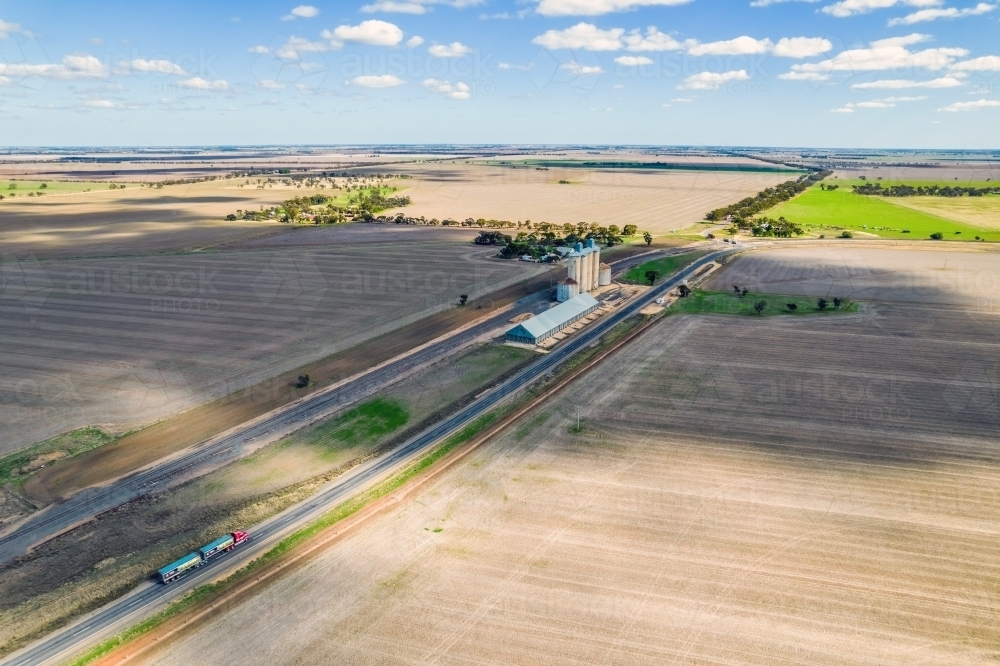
pixel 150 597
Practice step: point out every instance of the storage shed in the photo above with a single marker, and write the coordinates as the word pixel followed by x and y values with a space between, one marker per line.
pixel 549 323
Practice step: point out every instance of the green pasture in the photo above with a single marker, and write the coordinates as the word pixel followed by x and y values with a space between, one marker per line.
pixel 830 213
pixel 21 188
pixel 889 182
pixel 665 267
pixel 723 302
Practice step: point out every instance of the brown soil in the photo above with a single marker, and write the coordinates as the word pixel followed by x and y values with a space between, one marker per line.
pixel 186 429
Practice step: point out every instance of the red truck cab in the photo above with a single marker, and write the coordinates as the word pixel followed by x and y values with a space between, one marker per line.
pixel 239 538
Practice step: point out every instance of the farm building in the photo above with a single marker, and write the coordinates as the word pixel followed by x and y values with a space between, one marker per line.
pixel 549 323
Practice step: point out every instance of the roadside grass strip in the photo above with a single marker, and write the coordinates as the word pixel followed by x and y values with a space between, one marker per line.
pixel 343 510
pixel 723 302
pixel 832 212
pixel 664 267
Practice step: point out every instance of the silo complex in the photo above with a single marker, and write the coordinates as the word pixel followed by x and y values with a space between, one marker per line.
pixel 584 268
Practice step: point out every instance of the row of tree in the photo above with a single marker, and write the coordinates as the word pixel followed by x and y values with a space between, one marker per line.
pixel 923 191
pixel 540 242
pixel 767 198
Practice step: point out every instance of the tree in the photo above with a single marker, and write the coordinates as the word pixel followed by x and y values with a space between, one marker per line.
pixel 648 237
pixel 744 293
pixel 937 235
pixel 836 303
pixel 302 382
pixel 792 307
pixel 736 290
pixel 846 234
pixel 684 290
pixel 759 306
pixel 651 276
pixel 630 230
pixel 463 299
pixel 821 304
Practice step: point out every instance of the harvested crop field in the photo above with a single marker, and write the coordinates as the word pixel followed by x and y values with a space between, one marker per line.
pixel 121 548
pixel 656 201
pixel 122 342
pixel 813 490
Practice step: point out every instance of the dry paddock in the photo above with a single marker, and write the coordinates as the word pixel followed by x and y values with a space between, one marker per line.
pixel 124 342
pixel 743 491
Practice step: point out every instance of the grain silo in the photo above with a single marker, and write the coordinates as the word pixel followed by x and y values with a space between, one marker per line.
pixel 604 278
pixel 566 289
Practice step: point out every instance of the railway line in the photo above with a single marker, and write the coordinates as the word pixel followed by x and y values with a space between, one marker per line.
pixel 151 597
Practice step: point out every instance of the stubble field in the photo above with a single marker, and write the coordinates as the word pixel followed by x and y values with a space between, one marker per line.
pixel 123 342
pixel 771 491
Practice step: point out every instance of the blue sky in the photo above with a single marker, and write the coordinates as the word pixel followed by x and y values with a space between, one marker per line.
pixel 847 73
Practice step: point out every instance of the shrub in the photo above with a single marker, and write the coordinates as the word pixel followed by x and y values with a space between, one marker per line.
pixel 937 235
pixel 846 234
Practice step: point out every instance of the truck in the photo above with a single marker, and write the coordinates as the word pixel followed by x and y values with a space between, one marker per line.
pixel 223 544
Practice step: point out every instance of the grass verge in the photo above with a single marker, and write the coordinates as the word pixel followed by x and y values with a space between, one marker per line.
pixel 722 302
pixel 665 267
pixel 340 512
pixel 20 464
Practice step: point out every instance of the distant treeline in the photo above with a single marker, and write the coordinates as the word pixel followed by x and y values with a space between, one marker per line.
pixel 767 198
pixel 923 191
pixel 361 207
pixel 540 243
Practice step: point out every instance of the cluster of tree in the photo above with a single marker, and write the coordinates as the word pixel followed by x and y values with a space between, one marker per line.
pixel 828 188
pixel 765 226
pixel 114 186
pixel 375 201
pixel 767 198
pixel 923 191
pixel 540 240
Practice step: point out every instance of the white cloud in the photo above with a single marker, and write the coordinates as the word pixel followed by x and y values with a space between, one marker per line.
pixel 302 11
pixel 900 84
pixel 597 7
pixel 373 32
pixel 971 106
pixel 457 91
pixel 801 47
pixel 682 100
pixel 4 81
pixel 887 103
pixel 74 66
pixel 260 49
pixel 846 8
pixel 768 3
pixel 582 36
pixel 453 50
pixel 843 109
pixel 377 81
pixel 739 46
pixel 392 7
pixel 7 29
pixel 198 83
pixel 948 13
pixel 577 69
pixel 415 41
pixel 153 66
pixel 523 68
pixel 633 61
pixel 108 104
pixel 712 80
pixel 804 76
pixel 270 84
pixel 984 64
pixel 653 40
pixel 886 54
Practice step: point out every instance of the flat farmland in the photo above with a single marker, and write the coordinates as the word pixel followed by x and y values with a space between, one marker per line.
pixel 657 201
pixel 123 342
pixel 813 490
pixel 136 220
pixel 981 212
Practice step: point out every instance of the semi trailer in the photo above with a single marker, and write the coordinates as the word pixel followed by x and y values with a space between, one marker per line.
pixel 224 544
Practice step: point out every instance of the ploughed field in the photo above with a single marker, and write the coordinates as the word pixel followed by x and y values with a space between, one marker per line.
pixel 780 490
pixel 122 342
pixel 656 201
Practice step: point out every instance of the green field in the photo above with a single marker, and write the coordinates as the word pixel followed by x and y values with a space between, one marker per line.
pixel 831 212
pixel 21 188
pixel 723 302
pixel 665 267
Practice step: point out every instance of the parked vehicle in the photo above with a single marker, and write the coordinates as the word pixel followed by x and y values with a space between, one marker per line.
pixel 175 570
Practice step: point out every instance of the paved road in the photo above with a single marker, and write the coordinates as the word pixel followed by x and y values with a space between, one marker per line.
pixel 151 597
pixel 237 443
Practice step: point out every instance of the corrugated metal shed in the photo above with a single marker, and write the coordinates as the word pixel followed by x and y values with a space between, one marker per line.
pixel 551 322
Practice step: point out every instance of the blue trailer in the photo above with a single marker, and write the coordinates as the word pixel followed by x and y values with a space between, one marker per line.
pixel 177 569
pixel 217 546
